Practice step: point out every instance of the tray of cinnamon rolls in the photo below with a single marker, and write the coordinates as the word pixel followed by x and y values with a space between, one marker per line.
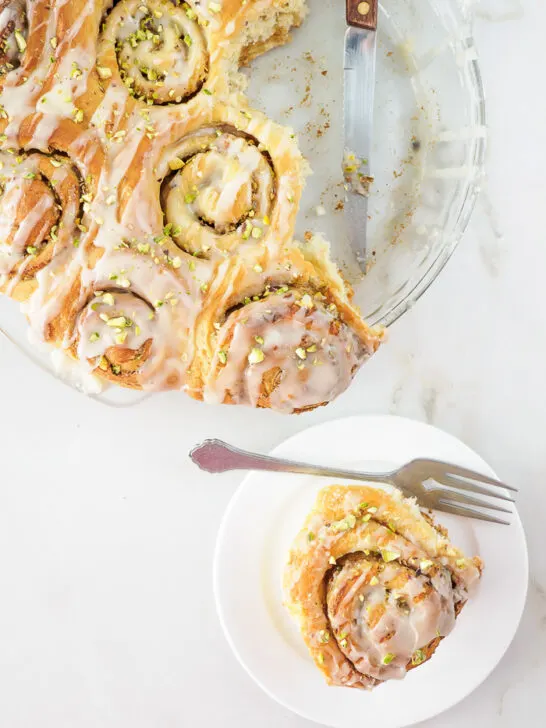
pixel 147 211
pixel 148 206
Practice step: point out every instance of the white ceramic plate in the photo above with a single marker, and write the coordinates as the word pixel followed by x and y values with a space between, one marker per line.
pixel 265 515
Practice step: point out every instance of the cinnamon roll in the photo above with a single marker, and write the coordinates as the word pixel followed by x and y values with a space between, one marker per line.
pixel 222 194
pixel 286 349
pixel 374 584
pixel 13 34
pixel 160 49
pixel 232 182
pixel 39 215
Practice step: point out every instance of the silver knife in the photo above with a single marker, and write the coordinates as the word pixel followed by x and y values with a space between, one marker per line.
pixel 359 87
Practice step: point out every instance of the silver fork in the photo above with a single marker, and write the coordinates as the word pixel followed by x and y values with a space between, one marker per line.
pixel 216 456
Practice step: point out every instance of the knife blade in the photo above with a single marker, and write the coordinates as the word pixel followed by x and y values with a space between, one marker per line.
pixel 359 88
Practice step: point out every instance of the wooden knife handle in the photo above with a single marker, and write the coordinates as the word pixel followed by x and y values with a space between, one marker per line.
pixel 362 14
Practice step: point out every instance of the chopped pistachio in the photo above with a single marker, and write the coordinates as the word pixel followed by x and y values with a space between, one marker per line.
pixel 176 261
pixel 256 356
pixel 324 636
pixel 143 247
pixel 207 92
pixel 222 356
pixel 189 198
pixel 176 163
pixel 311 349
pixel 55 162
pixel 20 40
pixel 31 249
pixel 257 233
pixel 345 524
pixel 188 41
pixel 29 175
pixel 158 303
pixel 259 340
pixel 320 658
pixel 215 7
pixel 332 561
pixel 366 518
pixel 461 563
pixel 267 220
pixel 306 301
pixel 311 536
pixel 301 353
pixel 389 657
pixel 389 555
pixel 116 369
pixel 372 509
pixel 104 72
pixel 418 657
pixel 121 337
pixel 78 116
pixel 426 564
pixel 108 299
pixel 374 581
pixel 95 336
pixel 118 322
pixel 258 268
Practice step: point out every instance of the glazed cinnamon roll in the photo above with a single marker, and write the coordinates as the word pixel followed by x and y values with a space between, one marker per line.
pixel 220 193
pixel 129 320
pixel 287 350
pixel 374 585
pixel 39 216
pixel 160 49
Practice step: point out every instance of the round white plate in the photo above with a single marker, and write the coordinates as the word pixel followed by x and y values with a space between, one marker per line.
pixel 263 518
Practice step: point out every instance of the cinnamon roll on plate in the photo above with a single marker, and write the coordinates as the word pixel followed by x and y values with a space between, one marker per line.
pixel 346 602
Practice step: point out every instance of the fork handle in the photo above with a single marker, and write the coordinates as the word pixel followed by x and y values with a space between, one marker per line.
pixel 362 14
pixel 216 456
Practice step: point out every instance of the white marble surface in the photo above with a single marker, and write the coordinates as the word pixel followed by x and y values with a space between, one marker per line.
pixel 106 530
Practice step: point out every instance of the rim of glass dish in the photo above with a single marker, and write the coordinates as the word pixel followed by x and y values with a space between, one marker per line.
pixel 470 197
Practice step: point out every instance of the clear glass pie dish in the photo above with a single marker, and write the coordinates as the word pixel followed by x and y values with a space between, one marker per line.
pixel 428 156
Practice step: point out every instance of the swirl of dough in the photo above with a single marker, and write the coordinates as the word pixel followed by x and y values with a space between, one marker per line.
pixel 287 350
pixel 114 333
pixel 220 193
pixel 131 316
pixel 374 585
pixel 13 34
pixel 161 51
pixel 39 213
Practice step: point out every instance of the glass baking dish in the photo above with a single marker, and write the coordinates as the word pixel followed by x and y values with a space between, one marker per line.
pixel 428 155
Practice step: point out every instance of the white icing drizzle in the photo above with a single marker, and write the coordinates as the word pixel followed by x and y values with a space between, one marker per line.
pixel 287 350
